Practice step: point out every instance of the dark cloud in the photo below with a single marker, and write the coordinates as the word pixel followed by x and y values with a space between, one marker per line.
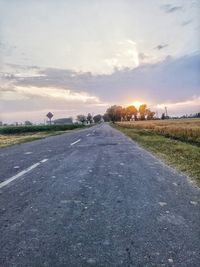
pixel 170 8
pixel 174 79
pixel 161 46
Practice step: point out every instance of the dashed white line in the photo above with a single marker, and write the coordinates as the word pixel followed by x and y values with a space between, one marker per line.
pixel 44 160
pixel 75 142
pixel 88 134
pixel 16 167
pixel 21 173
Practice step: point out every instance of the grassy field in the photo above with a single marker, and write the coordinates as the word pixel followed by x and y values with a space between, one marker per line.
pixel 182 153
pixel 187 130
pixel 20 134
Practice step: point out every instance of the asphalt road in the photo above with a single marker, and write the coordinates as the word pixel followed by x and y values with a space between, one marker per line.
pixel 94 198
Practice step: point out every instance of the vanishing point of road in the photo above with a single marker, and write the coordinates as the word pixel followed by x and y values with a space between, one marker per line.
pixel 93 197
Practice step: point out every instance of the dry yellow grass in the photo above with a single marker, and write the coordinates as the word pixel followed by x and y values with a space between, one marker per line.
pixel 187 130
pixel 12 139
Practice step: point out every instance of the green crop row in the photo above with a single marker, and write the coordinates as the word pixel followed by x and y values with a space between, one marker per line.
pixel 37 128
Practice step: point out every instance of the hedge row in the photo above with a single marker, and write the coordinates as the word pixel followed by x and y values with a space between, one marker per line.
pixel 37 128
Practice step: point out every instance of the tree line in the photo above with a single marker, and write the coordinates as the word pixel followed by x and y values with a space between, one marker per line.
pixel 89 118
pixel 119 113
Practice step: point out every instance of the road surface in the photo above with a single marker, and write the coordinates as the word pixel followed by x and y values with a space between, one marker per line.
pixel 94 198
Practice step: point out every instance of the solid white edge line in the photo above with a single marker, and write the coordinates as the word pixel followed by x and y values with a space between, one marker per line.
pixel 75 142
pixel 6 182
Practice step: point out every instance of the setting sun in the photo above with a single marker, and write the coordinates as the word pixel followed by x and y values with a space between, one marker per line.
pixel 137 104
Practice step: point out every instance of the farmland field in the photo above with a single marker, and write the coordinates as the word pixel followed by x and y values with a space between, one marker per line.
pixel 177 142
pixel 37 128
pixel 187 130
pixel 11 135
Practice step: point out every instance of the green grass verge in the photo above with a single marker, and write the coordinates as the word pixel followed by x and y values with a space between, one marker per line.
pixel 37 128
pixel 185 157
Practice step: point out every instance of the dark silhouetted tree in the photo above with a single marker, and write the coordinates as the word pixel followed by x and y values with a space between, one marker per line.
pixel 81 118
pixel 89 118
pixel 97 118
pixel 106 117
pixel 115 113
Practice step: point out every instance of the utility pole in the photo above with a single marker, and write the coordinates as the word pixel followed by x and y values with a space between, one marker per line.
pixel 166 113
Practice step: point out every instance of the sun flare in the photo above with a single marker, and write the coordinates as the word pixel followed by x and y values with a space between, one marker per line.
pixel 137 104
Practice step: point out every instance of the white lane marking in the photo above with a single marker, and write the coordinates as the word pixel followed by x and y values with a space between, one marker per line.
pixel 88 134
pixel 193 203
pixel 44 160
pixel 21 173
pixel 162 204
pixel 28 153
pixel 75 142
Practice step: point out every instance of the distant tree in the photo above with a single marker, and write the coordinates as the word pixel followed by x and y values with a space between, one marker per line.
pixel 97 118
pixel 124 114
pixel 150 114
pixel 81 118
pixel 143 111
pixel 106 117
pixel 130 112
pixel 115 113
pixel 163 117
pixel 28 123
pixel 89 118
pixel 49 116
pixel 197 115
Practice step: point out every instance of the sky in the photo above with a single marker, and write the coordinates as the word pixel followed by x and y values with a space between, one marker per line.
pixel 78 56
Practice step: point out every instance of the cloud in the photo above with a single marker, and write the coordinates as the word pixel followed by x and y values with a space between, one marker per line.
pixel 194 101
pixel 189 106
pixel 144 58
pixel 161 46
pixel 195 4
pixel 32 103
pixel 168 8
pixel 172 80
pixel 158 80
pixel 20 92
pixel 23 99
pixel 186 22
